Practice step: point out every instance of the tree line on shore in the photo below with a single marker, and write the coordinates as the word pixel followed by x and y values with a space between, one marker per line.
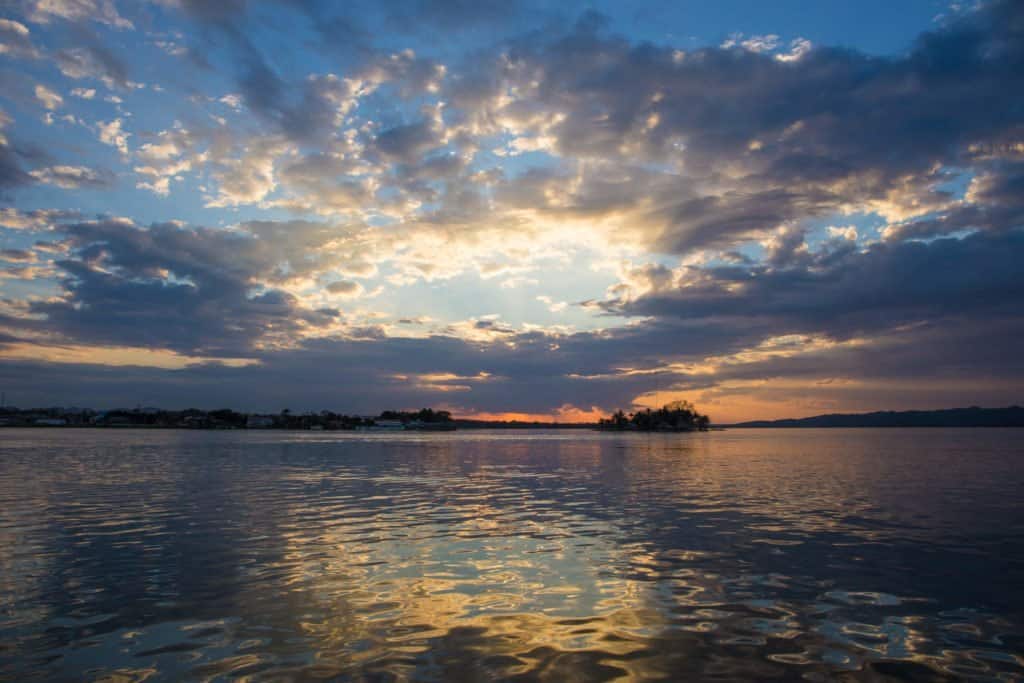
pixel 676 416
pixel 224 418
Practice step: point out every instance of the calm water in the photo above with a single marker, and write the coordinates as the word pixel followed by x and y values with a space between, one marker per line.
pixel 786 554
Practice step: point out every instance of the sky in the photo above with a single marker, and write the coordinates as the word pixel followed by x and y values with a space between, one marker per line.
pixel 512 209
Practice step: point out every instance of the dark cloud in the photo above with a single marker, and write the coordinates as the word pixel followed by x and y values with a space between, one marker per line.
pixel 995 202
pixel 844 291
pixel 12 156
pixel 720 220
pixel 757 141
pixel 306 109
pixel 11 172
pixel 17 255
pixel 853 111
pixel 313 109
pixel 366 374
pixel 197 291
pixel 359 375
pixel 409 142
pixel 948 310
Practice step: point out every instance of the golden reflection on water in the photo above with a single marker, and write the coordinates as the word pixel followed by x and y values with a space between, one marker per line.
pixel 481 556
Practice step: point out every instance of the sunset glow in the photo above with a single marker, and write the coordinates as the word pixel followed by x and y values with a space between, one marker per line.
pixel 554 212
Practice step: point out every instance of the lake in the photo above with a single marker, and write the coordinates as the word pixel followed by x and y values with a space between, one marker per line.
pixel 891 554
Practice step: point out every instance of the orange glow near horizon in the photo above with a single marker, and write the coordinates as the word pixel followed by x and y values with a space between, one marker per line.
pixel 567 413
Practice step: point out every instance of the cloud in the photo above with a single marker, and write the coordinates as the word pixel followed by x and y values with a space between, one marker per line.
pixel 540 374
pixel 311 109
pixel 11 173
pixel 111 133
pixel 409 142
pixel 844 291
pixel 765 43
pixel 328 183
pixel 317 107
pixel 204 291
pixel 48 98
pixel 103 11
pixel 677 151
pixel 72 177
pixel 93 60
pixel 994 201
pixel 248 177
pixel 15 40
pixel 798 47
pixel 170 154
pixel 18 255
pixel 37 220
pixel 552 305
pixel 346 288
pixel 745 143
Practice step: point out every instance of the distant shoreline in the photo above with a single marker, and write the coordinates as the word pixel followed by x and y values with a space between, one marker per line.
pixel 459 427
pixel 558 426
pixel 221 420
pixel 539 426
pixel 1011 416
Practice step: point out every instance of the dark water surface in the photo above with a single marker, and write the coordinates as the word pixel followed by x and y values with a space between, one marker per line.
pixel 747 554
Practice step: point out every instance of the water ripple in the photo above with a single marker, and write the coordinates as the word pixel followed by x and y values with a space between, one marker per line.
pixel 135 555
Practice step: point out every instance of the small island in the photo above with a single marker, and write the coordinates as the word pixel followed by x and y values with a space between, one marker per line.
pixel 677 416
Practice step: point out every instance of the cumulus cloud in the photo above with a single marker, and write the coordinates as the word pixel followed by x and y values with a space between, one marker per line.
pixel 248 177
pixel 820 132
pixel 328 183
pixel 111 133
pixel 48 98
pixel 168 156
pixel 798 135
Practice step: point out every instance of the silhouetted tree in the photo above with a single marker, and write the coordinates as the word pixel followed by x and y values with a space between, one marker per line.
pixel 675 416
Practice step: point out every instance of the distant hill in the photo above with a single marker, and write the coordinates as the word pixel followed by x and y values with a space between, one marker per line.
pixel 954 417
